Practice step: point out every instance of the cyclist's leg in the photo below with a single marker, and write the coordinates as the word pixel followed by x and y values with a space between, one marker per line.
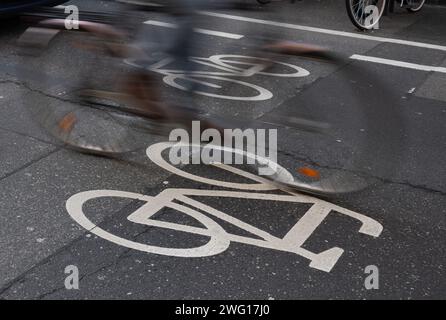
pixel 185 38
pixel 141 85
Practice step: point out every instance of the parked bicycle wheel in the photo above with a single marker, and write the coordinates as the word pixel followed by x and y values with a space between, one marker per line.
pixel 415 5
pixel 365 14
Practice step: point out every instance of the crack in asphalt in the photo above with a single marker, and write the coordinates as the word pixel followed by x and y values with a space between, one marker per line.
pixel 23 276
pixel 29 136
pixel 29 164
pixel 99 269
pixel 115 262
pixel 365 174
pixel 29 88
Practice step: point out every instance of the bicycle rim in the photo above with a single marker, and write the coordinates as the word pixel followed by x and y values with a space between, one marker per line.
pixel 97 126
pixel 365 14
pixel 415 5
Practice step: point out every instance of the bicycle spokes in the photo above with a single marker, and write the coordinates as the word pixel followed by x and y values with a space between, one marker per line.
pixel 365 14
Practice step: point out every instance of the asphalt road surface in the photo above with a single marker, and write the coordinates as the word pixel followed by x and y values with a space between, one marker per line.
pixel 244 240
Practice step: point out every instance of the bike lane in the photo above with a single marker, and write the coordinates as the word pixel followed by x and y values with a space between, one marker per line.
pixel 403 252
pixel 409 265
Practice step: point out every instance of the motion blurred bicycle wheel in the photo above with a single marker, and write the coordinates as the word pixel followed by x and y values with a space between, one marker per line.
pixel 76 90
pixel 339 129
pixel 338 125
pixel 343 133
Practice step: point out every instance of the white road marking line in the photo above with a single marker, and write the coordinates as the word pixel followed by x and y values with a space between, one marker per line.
pixel 398 63
pixel 326 31
pixel 144 3
pixel 390 62
pixel 220 34
pixel 161 24
pixel 199 30
pixel 306 28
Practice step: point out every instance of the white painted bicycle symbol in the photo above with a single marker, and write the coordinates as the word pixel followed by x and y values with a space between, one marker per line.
pixel 219 239
pixel 230 68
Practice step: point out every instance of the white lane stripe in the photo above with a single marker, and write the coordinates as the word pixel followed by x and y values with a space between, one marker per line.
pixel 220 34
pixel 160 24
pixel 390 62
pixel 143 3
pixel 398 63
pixel 326 31
pixel 203 31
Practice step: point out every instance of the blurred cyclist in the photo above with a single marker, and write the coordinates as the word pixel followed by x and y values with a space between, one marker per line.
pixel 145 89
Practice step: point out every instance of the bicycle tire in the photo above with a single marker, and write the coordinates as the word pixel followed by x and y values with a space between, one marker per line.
pixel 102 128
pixel 355 174
pixel 65 89
pixel 415 7
pixel 360 21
